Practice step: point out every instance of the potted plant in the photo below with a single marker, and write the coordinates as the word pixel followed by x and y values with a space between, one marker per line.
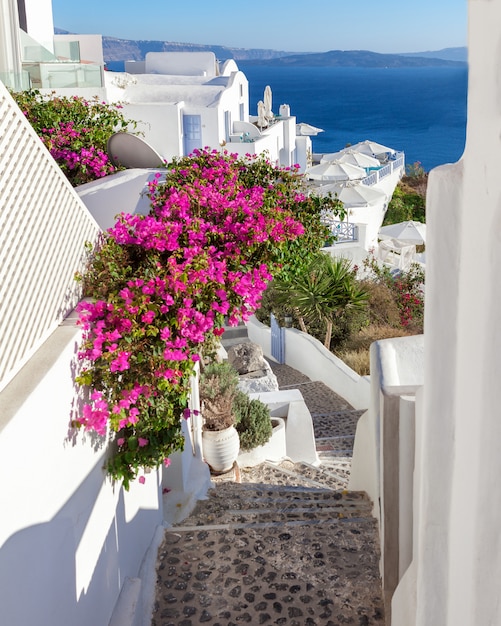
pixel 220 441
pixel 254 425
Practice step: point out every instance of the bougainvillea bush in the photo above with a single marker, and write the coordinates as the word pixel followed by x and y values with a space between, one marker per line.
pixel 74 130
pixel 160 285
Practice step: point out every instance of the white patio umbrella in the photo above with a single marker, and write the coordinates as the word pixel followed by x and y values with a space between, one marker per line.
pixel 355 194
pixel 407 232
pixel 303 129
pixel 372 148
pixel 261 116
pixel 335 171
pixel 350 156
pixel 268 102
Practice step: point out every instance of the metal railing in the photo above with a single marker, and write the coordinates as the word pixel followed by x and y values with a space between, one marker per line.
pixel 386 170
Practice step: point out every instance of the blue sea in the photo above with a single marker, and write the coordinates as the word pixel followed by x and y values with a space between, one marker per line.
pixel 421 111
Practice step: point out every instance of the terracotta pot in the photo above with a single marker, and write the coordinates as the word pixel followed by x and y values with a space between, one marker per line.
pixel 220 448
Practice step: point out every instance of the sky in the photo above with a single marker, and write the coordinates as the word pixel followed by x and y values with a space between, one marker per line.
pixel 291 25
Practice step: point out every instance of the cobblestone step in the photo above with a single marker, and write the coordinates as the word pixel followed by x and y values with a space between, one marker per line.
pixel 321 475
pixel 230 507
pixel 339 466
pixel 336 424
pixel 289 473
pixel 294 575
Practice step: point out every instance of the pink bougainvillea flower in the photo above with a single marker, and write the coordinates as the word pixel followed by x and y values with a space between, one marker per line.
pixel 121 363
pixel 142 442
pixel 142 480
pixel 148 317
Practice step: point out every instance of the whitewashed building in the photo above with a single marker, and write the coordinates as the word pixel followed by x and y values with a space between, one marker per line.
pixel 184 101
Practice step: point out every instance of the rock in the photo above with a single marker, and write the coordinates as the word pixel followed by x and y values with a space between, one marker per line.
pixel 255 371
pixel 246 357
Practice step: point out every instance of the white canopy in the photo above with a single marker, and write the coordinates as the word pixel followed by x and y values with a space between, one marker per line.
pixel 407 232
pixel 268 102
pixel 373 149
pixel 261 115
pixel 355 194
pixel 303 129
pixel 351 156
pixel 333 170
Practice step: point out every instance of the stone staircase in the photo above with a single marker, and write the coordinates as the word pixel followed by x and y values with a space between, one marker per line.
pixel 279 544
pixel 286 545
pixel 234 335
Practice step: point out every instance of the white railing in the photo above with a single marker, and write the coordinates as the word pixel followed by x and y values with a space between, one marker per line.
pixel 344 231
pixel 43 228
pixel 386 170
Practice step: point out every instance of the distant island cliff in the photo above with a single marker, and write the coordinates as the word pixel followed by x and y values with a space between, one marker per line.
pixel 115 49
pixel 355 58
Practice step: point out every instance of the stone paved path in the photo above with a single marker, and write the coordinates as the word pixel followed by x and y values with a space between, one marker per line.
pixel 279 545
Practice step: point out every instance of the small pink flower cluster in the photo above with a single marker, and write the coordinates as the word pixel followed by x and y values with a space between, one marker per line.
pixel 411 306
pixel 67 146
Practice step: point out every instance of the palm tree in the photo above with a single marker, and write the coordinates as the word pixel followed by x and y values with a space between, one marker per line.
pixel 323 291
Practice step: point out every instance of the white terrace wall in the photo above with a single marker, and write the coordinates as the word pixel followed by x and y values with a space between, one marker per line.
pixel 69 539
pixel 39 20
pixel 384 451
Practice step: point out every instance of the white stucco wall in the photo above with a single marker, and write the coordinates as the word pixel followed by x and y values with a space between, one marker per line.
pixel 160 124
pixel 181 63
pixel 68 537
pixel 457 560
pixel 91 46
pixel 40 23
pixel 123 192
pixel 394 362
pixel 372 217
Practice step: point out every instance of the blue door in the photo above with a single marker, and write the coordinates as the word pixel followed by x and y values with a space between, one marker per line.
pixel 277 341
pixel 192 129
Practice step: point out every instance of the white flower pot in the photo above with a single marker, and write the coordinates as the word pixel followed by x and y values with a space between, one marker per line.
pixel 220 448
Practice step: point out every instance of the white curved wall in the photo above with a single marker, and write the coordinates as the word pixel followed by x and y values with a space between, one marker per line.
pixel 457 562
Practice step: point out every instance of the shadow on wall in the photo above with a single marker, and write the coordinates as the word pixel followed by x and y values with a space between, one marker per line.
pixel 48 573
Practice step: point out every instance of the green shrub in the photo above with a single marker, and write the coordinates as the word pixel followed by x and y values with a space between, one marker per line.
pixel 253 421
pixel 407 203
